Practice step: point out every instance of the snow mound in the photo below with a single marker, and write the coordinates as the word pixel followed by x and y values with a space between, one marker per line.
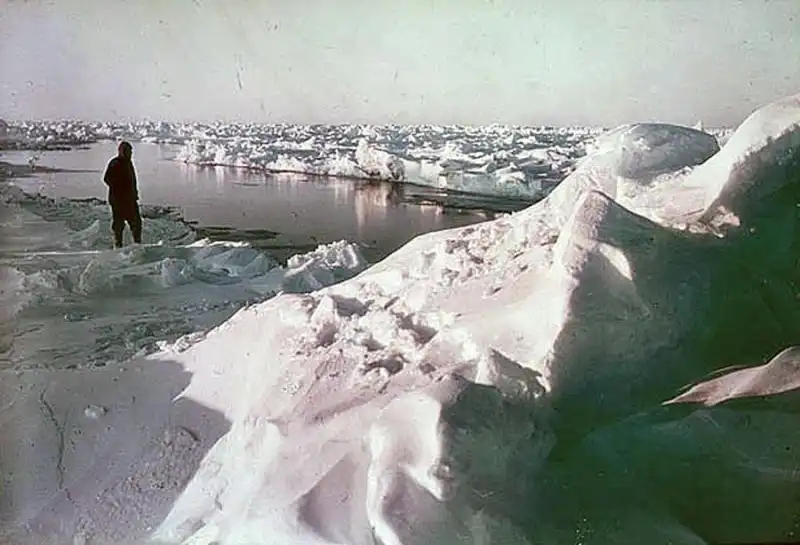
pixel 645 150
pixel 759 156
pixel 324 266
pixel 643 167
pixel 167 267
pixel 499 383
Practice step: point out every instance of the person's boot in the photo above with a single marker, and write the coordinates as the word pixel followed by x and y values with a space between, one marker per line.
pixel 136 229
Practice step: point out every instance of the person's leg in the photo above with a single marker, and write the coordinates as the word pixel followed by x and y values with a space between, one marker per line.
pixel 135 221
pixel 117 225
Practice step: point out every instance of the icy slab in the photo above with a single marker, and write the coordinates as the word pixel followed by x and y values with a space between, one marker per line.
pixel 780 375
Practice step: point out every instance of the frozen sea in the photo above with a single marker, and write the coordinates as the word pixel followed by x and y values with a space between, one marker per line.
pixel 617 363
pixel 216 238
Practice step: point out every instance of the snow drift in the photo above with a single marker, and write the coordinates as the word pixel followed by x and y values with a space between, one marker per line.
pixel 500 383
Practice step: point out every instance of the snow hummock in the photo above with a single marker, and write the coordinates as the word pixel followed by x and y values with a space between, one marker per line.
pixel 506 382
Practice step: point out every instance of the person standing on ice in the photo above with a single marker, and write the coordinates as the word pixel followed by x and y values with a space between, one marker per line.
pixel 123 195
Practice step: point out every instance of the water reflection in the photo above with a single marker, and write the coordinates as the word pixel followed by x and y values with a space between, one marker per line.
pixel 219 176
pixel 342 194
pixel 371 203
pixel 188 172
pixel 396 193
pixel 431 210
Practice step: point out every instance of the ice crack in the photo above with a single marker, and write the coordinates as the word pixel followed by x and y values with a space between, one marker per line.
pixel 61 440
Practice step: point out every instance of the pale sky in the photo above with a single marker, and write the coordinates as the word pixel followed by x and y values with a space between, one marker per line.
pixel 527 62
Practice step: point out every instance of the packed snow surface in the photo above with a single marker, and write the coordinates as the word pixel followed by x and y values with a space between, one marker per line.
pixel 554 376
